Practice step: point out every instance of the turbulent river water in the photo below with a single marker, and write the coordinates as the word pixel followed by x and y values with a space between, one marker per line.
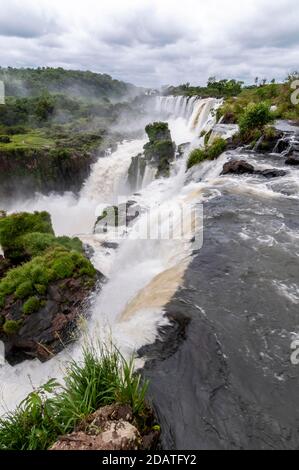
pixel 216 322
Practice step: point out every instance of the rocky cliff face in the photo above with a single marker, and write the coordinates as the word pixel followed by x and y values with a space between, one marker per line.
pixel 45 285
pixel 26 171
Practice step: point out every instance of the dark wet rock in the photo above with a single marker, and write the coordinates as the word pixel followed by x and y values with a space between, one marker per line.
pixel 293 159
pixel 269 142
pixel 237 167
pixel 110 245
pixel 241 167
pixel 44 333
pixel 271 173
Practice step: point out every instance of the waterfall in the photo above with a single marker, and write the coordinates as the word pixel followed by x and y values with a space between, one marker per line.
pixel 200 114
pixel 143 274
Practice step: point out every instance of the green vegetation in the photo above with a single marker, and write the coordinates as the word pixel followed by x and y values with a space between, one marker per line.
pixel 56 263
pixel 14 228
pixel 215 88
pixel 32 140
pixel 158 131
pixel 31 305
pixel 273 94
pixel 160 149
pixel 30 237
pixel 35 82
pixel 254 118
pixel 11 327
pixel 102 378
pixel 210 152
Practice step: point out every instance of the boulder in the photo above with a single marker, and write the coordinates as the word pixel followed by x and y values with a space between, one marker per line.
pixel 112 427
pixel 293 159
pixel 271 173
pixel 115 435
pixel 237 167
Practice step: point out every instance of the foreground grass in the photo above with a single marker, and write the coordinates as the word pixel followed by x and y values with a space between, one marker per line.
pixel 102 378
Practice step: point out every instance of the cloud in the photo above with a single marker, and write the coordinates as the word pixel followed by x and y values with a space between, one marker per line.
pixel 151 42
pixel 19 19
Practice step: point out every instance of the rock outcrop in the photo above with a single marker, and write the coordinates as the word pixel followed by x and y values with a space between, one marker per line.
pixel 241 167
pixel 112 427
pixel 45 284
pixel 237 167
pixel 158 154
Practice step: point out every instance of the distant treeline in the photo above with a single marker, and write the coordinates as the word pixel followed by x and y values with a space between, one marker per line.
pixel 215 88
pixel 224 88
pixel 25 82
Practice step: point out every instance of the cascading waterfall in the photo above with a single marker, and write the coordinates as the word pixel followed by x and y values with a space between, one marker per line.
pixel 199 113
pixel 145 273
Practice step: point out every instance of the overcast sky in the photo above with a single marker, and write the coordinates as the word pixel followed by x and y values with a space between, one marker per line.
pixel 154 42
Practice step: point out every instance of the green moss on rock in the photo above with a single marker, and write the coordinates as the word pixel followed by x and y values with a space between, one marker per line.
pixel 11 327
pixel 31 305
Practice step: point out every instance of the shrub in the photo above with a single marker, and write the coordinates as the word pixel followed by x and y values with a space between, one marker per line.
pixel 11 327
pixel 255 116
pixel 210 152
pixel 195 157
pixel 32 305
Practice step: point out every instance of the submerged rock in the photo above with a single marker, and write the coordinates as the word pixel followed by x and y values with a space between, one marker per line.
pixel 271 173
pixel 241 167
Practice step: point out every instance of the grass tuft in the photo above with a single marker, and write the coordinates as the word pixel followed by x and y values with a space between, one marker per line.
pixel 103 377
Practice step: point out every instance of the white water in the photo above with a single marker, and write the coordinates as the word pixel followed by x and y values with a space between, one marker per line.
pixel 143 274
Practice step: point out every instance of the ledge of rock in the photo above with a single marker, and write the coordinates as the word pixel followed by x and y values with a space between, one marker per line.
pixel 110 428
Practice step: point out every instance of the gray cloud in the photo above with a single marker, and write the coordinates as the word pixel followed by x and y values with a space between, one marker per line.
pixel 149 42
pixel 19 19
